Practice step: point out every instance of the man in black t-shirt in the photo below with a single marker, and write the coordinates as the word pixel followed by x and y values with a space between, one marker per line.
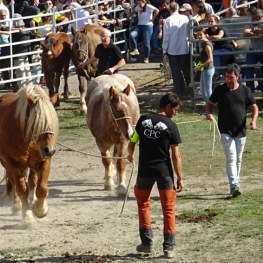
pixel 233 100
pixel 157 134
pixel 108 54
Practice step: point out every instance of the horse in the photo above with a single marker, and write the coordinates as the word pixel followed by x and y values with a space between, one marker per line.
pixel 55 59
pixel 112 112
pixel 84 45
pixel 29 129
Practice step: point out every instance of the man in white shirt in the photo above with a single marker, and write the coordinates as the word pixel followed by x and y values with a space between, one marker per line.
pixel 176 45
pixel 3 7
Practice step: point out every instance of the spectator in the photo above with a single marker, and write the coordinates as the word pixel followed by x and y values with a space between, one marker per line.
pixel 47 23
pixel 146 15
pixel 70 16
pixel 60 4
pixel 4 39
pixel 219 46
pixel 36 58
pixel 162 15
pixel 155 165
pixel 232 12
pixel 233 100
pixel 206 67
pixel 23 70
pixel 208 7
pixel 176 48
pixel 226 4
pixel 108 54
pixel 255 44
pixel 186 10
pixel 3 7
pixel 242 11
pixel 199 13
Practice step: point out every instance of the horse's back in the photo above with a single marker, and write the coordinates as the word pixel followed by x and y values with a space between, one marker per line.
pixel 60 37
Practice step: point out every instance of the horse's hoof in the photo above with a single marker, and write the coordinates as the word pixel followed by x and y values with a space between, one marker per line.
pixel 109 187
pixel 83 112
pixel 40 212
pixel 122 196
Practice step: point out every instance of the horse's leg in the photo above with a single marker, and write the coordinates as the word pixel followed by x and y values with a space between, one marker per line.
pixel 82 92
pixel 32 185
pixel 49 76
pixel 57 84
pixel 40 207
pixel 65 74
pixel 17 179
pixel 10 187
pixel 110 170
pixel 121 165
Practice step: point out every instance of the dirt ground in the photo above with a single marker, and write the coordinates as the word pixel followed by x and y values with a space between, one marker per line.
pixel 84 223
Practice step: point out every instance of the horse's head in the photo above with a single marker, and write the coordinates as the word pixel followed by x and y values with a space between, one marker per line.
pixel 38 119
pixel 80 45
pixel 121 109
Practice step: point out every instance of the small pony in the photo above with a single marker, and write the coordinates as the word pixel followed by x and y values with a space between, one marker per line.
pixel 112 112
pixel 29 129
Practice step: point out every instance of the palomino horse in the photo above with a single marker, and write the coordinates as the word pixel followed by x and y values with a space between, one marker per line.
pixel 112 112
pixel 84 44
pixel 55 60
pixel 29 128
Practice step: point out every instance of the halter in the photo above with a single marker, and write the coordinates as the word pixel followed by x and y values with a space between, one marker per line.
pixel 41 133
pixel 118 119
pixel 87 56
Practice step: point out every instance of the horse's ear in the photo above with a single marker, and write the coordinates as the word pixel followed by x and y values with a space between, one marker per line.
pixel 73 31
pixel 112 93
pixel 42 44
pixel 29 99
pixel 54 98
pixel 127 90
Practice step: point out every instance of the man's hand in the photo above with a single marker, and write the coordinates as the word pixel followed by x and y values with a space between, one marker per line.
pixel 253 125
pixel 109 71
pixel 130 158
pixel 179 185
pixel 209 117
pixel 81 65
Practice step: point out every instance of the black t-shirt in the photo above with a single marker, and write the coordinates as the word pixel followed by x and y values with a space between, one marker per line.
pixel 30 11
pixel 232 107
pixel 157 134
pixel 108 57
pixel 21 48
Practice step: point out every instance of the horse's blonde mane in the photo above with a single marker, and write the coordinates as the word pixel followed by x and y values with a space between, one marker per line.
pixel 42 115
pixel 106 90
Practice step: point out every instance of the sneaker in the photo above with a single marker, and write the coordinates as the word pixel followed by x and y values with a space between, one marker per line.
pixel 135 52
pixel 168 253
pixel 144 249
pixel 235 192
pixel 146 60
pixel 133 59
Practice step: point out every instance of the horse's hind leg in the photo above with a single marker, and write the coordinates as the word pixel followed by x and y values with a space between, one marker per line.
pixel 110 170
pixel 82 92
pixel 66 92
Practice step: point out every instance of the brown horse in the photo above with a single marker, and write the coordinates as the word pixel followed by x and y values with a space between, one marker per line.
pixel 84 44
pixel 29 128
pixel 55 60
pixel 112 112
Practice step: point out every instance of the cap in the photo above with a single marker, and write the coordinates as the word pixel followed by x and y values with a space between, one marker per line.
pixel 185 7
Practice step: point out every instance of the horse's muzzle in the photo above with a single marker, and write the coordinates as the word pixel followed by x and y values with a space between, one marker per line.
pixel 48 152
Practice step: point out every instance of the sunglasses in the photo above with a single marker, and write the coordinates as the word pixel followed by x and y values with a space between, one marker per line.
pixel 49 3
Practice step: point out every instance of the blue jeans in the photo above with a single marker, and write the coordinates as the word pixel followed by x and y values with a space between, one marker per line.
pixel 221 60
pixel 176 62
pixel 233 148
pixel 206 83
pixel 154 39
pixel 253 58
pixel 146 32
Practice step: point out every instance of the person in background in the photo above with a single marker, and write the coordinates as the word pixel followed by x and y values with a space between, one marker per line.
pixel 219 46
pixel 108 54
pixel 36 58
pixel 255 44
pixel 233 99
pixel 242 11
pixel 176 48
pixel 157 134
pixel 23 70
pixel 200 13
pixel 208 7
pixel 206 67
pixel 162 15
pixel 146 15
pixel 186 10
pixel 232 12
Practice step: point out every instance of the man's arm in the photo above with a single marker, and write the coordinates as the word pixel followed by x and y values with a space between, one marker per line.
pixel 253 123
pixel 131 148
pixel 177 164
pixel 89 61
pixel 120 64
pixel 209 110
pixel 248 33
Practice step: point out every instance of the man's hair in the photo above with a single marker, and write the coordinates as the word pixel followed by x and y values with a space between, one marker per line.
pixel 258 12
pixel 107 31
pixel 174 6
pixel 232 11
pixel 170 98
pixel 230 68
